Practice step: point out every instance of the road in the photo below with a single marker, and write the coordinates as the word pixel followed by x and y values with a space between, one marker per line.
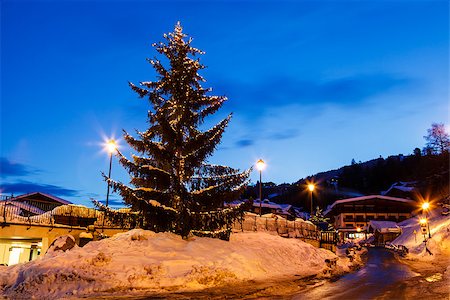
pixel 382 275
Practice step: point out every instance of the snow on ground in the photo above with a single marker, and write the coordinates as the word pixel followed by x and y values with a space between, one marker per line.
pixel 141 259
pixel 439 244
pixel 434 269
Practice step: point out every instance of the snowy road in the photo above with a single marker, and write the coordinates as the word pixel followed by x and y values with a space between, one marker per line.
pixel 382 275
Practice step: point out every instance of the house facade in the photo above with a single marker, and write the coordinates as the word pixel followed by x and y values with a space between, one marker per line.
pixel 16 248
pixel 351 216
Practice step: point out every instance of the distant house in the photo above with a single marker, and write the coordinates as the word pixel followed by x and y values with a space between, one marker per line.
pixel 383 231
pixel 287 211
pixel 35 203
pixel 351 216
pixel 402 189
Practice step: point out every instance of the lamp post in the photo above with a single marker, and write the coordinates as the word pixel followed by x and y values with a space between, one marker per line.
pixel 426 207
pixel 260 165
pixel 111 147
pixel 311 188
pixel 423 222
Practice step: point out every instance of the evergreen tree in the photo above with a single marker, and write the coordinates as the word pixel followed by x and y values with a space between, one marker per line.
pixel 172 186
pixel 320 220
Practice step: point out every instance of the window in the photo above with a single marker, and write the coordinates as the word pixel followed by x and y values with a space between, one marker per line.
pixel 349 225
pixel 401 218
pixel 348 218
pixel 381 218
pixel 370 217
pixel 359 218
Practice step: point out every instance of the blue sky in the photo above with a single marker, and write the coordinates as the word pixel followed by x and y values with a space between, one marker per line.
pixel 312 84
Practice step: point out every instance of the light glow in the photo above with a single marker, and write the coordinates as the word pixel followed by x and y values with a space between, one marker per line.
pixel 423 221
pixel 358 229
pixel 111 146
pixel 311 187
pixel 425 205
pixel 260 165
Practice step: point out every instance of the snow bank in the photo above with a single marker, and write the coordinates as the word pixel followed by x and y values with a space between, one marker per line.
pixel 141 259
pixel 439 244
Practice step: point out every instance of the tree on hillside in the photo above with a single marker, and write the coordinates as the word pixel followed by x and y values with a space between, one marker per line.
pixel 438 140
pixel 173 187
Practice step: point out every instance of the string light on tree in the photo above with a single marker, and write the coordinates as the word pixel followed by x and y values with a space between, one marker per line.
pixel 173 187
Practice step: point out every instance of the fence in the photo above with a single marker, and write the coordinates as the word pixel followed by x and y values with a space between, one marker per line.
pixel 71 215
pixel 283 227
pixel 80 216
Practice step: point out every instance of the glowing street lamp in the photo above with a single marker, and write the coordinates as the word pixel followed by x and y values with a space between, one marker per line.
pixel 260 165
pixel 111 147
pixel 311 188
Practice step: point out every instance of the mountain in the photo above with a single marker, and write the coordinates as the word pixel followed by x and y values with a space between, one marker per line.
pixel 427 174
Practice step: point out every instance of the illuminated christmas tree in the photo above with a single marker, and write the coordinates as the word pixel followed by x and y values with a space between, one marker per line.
pixel 173 187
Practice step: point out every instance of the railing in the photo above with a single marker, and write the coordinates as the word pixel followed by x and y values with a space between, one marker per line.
pixel 283 227
pixel 71 215
pixel 80 216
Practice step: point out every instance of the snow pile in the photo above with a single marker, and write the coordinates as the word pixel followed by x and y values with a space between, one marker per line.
pixel 438 244
pixel 141 259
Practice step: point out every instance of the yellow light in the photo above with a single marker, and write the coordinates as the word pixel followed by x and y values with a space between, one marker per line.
pixel 425 205
pixel 260 165
pixel 358 229
pixel 423 221
pixel 111 146
pixel 311 187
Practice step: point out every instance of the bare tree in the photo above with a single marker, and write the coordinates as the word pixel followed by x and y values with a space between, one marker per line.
pixel 438 140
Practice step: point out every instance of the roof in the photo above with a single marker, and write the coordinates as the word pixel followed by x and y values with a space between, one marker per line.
pixel 404 186
pixel 54 198
pixel 363 198
pixel 384 226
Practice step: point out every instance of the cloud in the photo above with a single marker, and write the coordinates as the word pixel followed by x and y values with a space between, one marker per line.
pixel 114 202
pixel 9 168
pixel 244 143
pixel 23 187
pixel 278 91
pixel 284 135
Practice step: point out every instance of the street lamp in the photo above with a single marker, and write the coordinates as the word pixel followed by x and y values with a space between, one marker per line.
pixel 311 188
pixel 426 207
pixel 111 147
pixel 260 165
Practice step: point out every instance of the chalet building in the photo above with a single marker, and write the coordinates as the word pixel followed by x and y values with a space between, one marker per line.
pixel 35 203
pixel 383 231
pixel 17 248
pixel 352 216
pixel 287 211
pixel 402 189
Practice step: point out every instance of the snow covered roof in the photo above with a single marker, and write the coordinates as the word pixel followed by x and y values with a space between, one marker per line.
pixel 363 198
pixel 284 208
pixel 384 226
pixel 404 186
pixel 54 198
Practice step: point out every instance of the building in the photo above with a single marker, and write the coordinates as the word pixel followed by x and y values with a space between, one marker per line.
pixel 287 211
pixel 383 231
pixel 16 247
pixel 351 216
pixel 33 204
pixel 402 189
